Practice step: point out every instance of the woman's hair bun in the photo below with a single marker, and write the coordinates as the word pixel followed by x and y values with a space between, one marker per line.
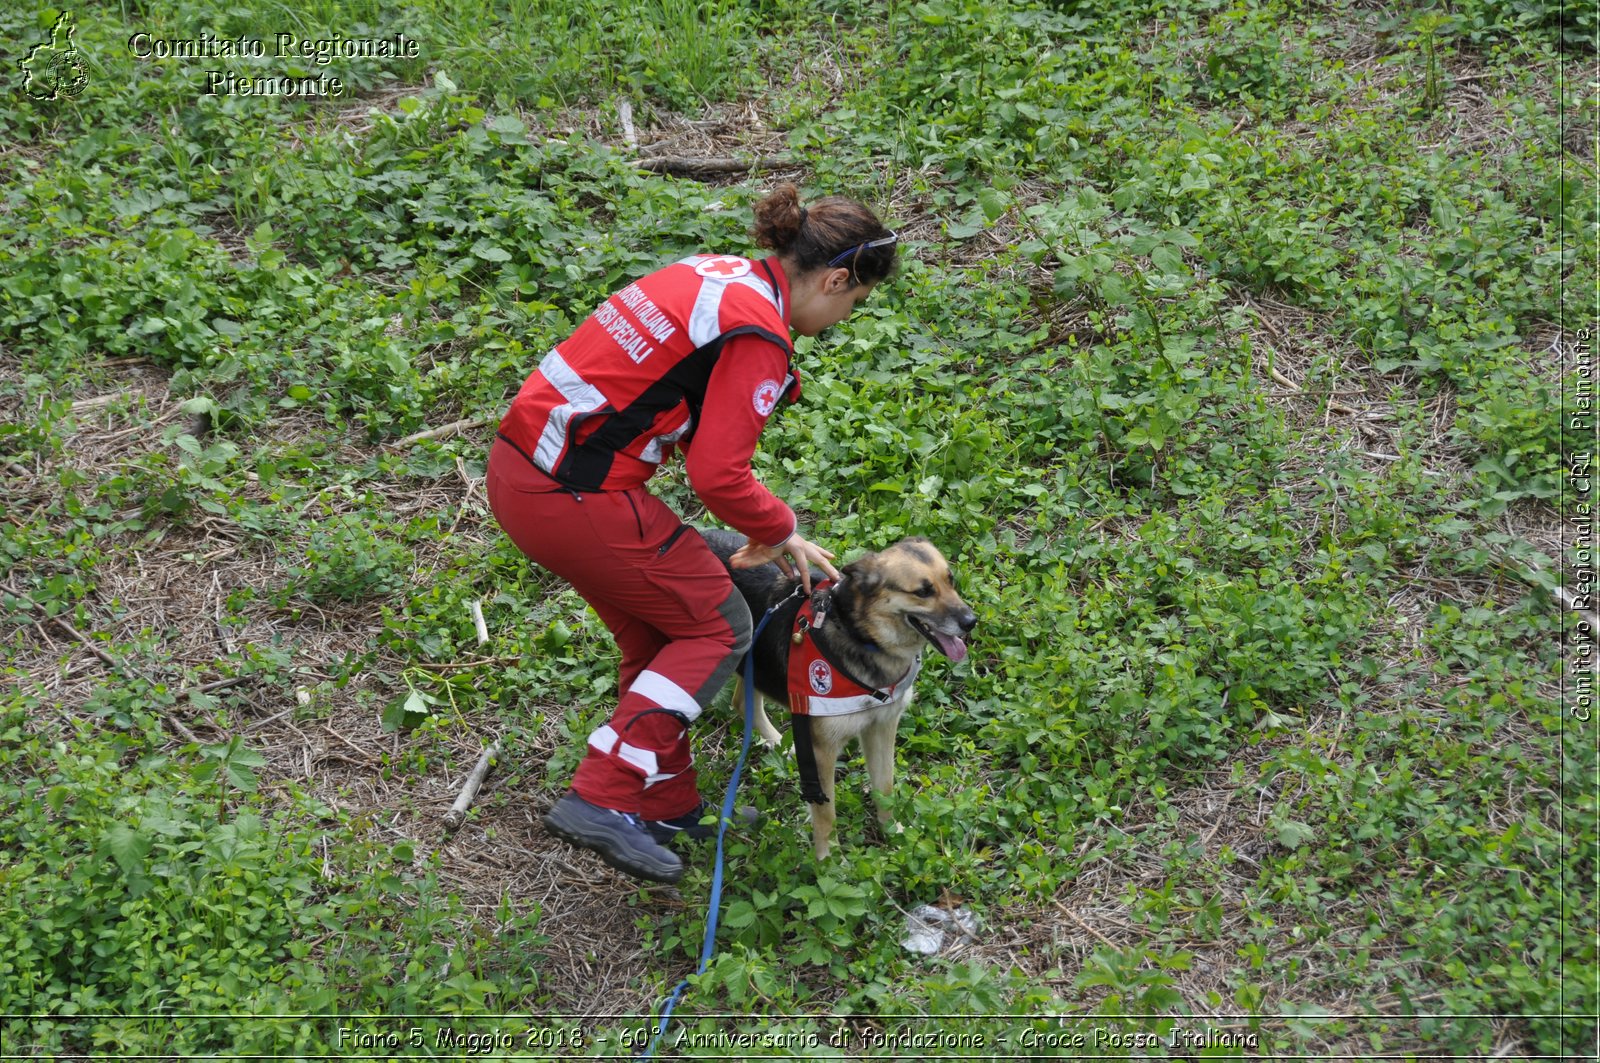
pixel 778 219
pixel 834 228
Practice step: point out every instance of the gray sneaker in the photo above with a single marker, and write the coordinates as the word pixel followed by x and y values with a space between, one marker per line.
pixel 619 838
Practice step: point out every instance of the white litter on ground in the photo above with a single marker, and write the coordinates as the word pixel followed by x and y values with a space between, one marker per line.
pixel 931 930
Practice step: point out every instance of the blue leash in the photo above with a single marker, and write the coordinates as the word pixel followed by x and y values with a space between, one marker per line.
pixel 714 908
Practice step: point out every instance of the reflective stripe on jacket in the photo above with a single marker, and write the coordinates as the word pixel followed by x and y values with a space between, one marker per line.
pixel 612 401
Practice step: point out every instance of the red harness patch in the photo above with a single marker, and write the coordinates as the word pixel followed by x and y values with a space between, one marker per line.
pixel 820 687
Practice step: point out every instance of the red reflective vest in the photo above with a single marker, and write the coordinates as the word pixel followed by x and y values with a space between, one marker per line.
pixel 610 402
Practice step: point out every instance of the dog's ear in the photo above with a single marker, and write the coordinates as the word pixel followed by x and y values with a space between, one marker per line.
pixel 862 575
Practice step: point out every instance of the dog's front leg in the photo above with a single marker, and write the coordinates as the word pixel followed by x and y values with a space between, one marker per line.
pixel 825 745
pixel 877 743
pixel 769 734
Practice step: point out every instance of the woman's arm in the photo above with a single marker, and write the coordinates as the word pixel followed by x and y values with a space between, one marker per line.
pixel 743 390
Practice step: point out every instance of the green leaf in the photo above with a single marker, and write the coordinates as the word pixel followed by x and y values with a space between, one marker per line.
pixel 247 757
pixel 126 846
pixel 1114 290
pixel 261 239
pixel 175 248
pixel 1292 834
pixel 489 252
pixel 557 635
pixel 405 713
pixel 242 777
pixel 1168 259
pixel 994 203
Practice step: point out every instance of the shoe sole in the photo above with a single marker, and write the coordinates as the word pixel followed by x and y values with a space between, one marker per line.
pixel 601 844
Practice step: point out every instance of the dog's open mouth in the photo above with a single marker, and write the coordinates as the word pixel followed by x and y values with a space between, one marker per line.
pixel 952 646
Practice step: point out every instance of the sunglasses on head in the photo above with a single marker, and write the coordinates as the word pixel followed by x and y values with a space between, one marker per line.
pixel 854 253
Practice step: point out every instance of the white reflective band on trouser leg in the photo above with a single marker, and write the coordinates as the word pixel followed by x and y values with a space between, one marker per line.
pixel 646 762
pixel 664 692
pixel 606 740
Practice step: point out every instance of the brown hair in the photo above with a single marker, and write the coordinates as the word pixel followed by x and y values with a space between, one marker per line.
pixel 816 235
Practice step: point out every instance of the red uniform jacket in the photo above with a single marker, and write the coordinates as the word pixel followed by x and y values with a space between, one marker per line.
pixel 691 357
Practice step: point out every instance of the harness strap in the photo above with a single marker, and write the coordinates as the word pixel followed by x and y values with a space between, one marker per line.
pixel 805 759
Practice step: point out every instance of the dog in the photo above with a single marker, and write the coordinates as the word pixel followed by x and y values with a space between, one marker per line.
pixel 864 634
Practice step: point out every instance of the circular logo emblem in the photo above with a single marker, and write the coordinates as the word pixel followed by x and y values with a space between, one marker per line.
pixel 766 396
pixel 55 70
pixel 821 677
pixel 724 268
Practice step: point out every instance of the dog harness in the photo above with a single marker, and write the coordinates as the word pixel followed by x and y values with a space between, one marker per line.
pixel 819 685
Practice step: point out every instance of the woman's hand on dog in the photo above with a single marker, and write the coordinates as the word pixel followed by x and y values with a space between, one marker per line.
pixel 794 557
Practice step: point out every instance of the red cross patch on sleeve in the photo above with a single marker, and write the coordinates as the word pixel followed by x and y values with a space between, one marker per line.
pixel 766 396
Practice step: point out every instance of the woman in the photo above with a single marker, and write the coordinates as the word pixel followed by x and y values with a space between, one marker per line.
pixel 693 357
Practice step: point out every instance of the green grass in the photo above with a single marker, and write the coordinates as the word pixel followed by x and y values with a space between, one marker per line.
pixel 1291 711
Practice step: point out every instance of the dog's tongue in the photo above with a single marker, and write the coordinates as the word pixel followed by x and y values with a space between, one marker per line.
pixel 952 646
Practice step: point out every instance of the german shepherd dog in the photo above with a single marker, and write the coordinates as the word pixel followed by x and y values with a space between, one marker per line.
pixel 877 620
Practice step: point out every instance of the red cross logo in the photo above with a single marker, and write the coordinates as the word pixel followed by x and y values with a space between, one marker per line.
pixel 726 268
pixel 821 677
pixel 766 396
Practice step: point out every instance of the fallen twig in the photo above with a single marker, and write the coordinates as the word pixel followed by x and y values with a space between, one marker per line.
pixel 476 609
pixel 1070 914
pixel 691 167
pixel 469 789
pixel 625 115
pixel 444 431
pixel 99 400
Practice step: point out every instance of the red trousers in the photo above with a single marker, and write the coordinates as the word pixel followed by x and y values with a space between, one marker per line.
pixel 670 604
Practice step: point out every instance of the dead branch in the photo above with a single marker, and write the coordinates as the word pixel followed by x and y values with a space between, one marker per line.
pixel 100 400
pixel 469 789
pixel 625 115
pixel 1070 914
pixel 687 167
pixel 444 431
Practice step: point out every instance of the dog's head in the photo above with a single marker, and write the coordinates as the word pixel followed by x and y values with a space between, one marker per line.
pixel 904 595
